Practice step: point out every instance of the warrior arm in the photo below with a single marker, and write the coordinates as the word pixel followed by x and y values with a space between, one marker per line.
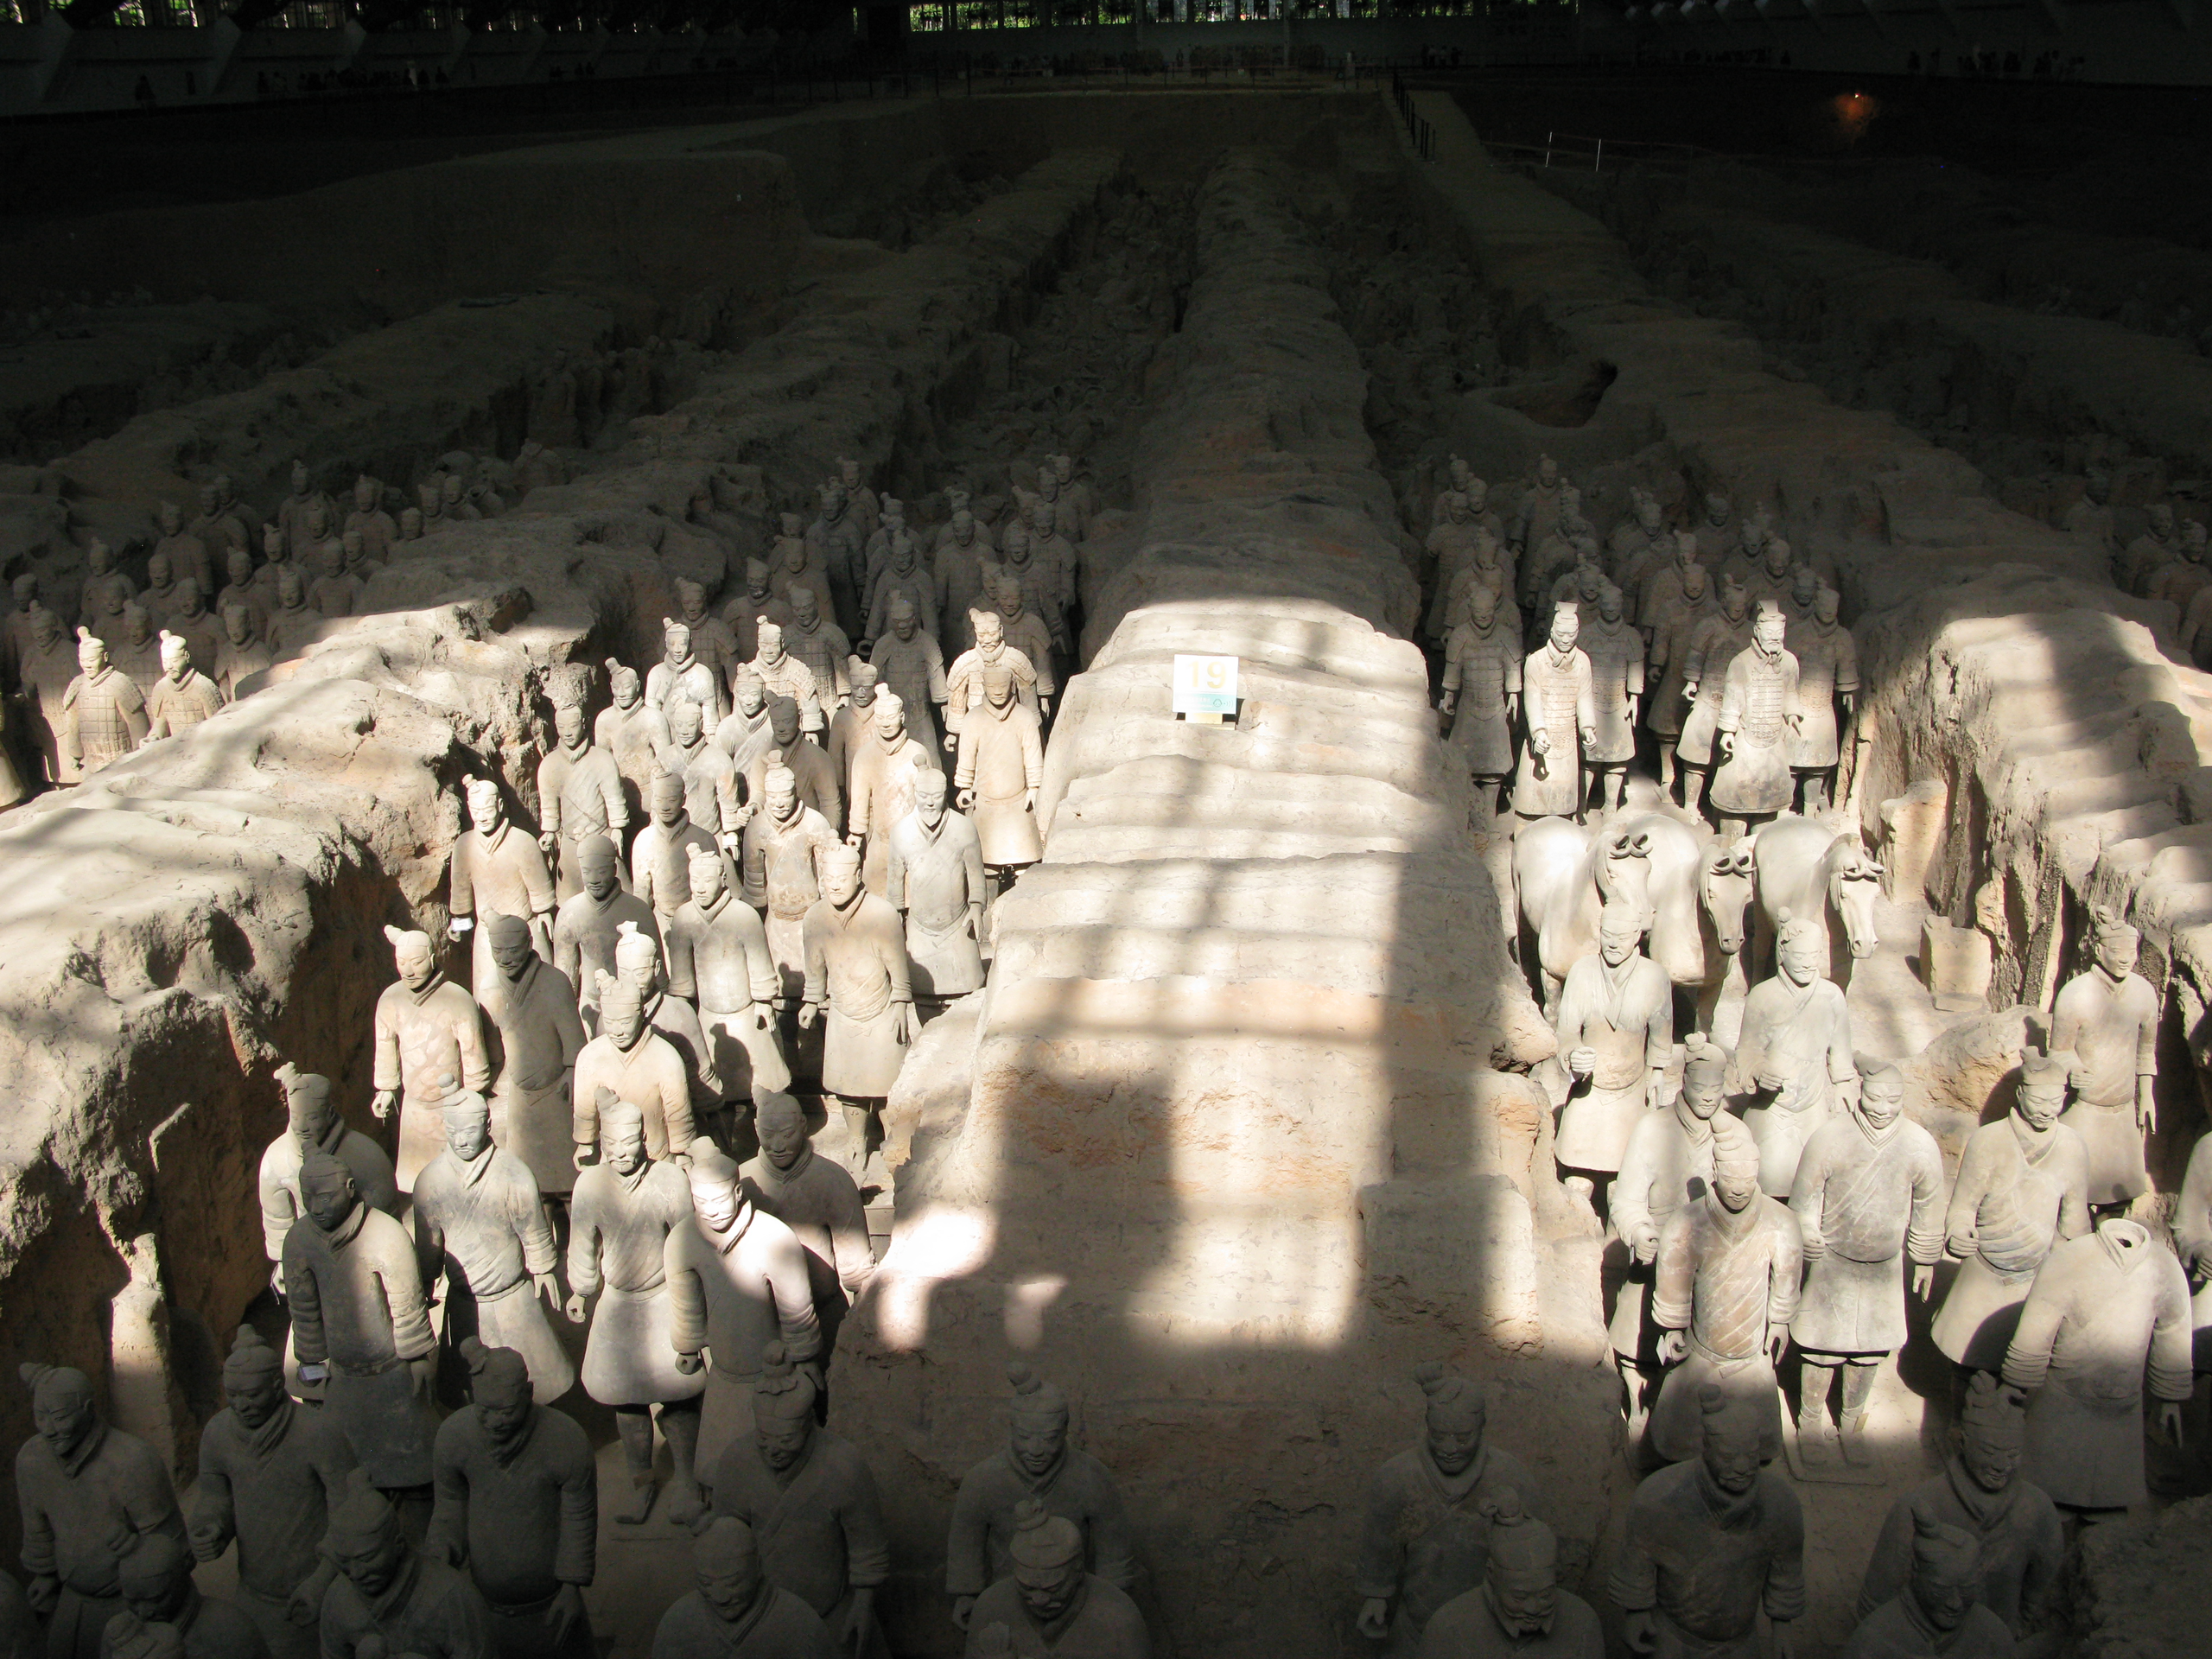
pixel 449 1537
pixel 1675 1273
pixel 1784 1598
pixel 967 1571
pixel 868 1541
pixel 2027 1361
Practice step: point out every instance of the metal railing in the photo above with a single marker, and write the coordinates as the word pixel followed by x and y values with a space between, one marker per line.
pixel 1418 126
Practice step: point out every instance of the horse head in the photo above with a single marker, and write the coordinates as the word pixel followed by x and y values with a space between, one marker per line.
pixel 1727 881
pixel 1854 883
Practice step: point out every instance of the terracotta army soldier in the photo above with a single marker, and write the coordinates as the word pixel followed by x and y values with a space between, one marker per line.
pixel 219 527
pixel 1827 679
pixel 1025 631
pixel 911 663
pixel 518 1507
pixel 808 1497
pixel 682 674
pixel 588 923
pixel 1024 592
pixel 1615 1025
pixel 737 1280
pixel 2107 1314
pixel 675 1023
pixel 1937 1614
pixel 1616 653
pixel 794 562
pixel 187 556
pixel 1713 648
pixel 1667 1165
pixel 46 670
pixel 804 758
pixel 103 714
pixel 135 649
pixel 580 795
pixel 2108 1017
pixel 2022 1188
pixel 660 858
pixel 156 1577
pixel 1426 1536
pixel 784 675
pixel 839 543
pixel 737 1612
pixel 1724 1291
pixel 634 732
pixel 818 1200
pixel 199 628
pixel 964 679
pixel 745 732
pixel 963 548
pixel 361 1326
pixel 1037 1463
pixel 378 529
pixel 540 1034
pixel 1482 695
pixel 1519 1611
pixel 292 510
pixel 1795 1053
pixel 710 781
pixel 626 1206
pixel 742 614
pixel 294 625
pixel 482 1230
pixel 856 968
pixel 1559 706
pixel 633 1063
pixel 498 870
pixel 242 653
pixel 786 846
pixel 1047 1605
pixel 1757 729
pixel 314 1124
pixel 887 763
pixel 86 1493
pixel 182 698
pixel 718 960
pixel 270 1471
pixel 902 574
pixel 1538 514
pixel 712 641
pixel 1451 542
pixel 851 721
pixel 106 590
pixel 1714 1540
pixel 244 589
pixel 1980 1491
pixel 1001 767
pixel 2133 569
pixel 1869 1194
pixel 428 1029
pixel 934 877
pixel 387 1599
pixel 159 597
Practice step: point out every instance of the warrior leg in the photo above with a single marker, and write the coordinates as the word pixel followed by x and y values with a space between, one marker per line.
pixel 679 1421
pixel 1814 1381
pixel 1667 768
pixel 1632 1386
pixel 634 1424
pixel 1858 1389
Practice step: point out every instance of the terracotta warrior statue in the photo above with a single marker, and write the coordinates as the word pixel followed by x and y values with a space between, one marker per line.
pixel 1713 1540
pixel 820 1202
pixel 314 1123
pixel 183 697
pixel 518 1508
pixel 682 674
pixel 483 1233
pixel 270 1471
pixel 1667 1165
pixel 857 969
pixel 737 1280
pixel 1793 1055
pixel 1982 1492
pixel 1519 1611
pixel 103 714
pixel 428 1029
pixel 626 1207
pixel 1713 648
pixel 1616 653
pixel 1616 1026
pixel 1723 1294
pixel 964 679
pixel 1002 768
pixel 912 663
pixel 1046 1604
pixel 786 846
pixel 2022 1188
pixel 712 641
pixel 934 877
pixel 579 796
pixel 851 720
pixel 498 870
pixel 540 1035
pixel 1937 1614
pixel 1481 697
pixel 808 1495
pixel 1037 1464
pixel 719 961
pixel 806 760
pixel 2108 1318
pixel 388 1600
pixel 360 1328
pixel 737 1612
pixel 1431 1511
pixel 634 732
pixel 632 1062
pixel 1869 1194
pixel 1827 694
pixel 589 922
pixel 676 1022
pixel 155 1579
pixel 87 1493
pixel 784 675
pixel 1757 723
pixel 1559 702
pixel 2108 1017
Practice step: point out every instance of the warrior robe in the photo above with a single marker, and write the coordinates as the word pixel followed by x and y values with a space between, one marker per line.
pixel 783 879
pixel 1706 1563
pixel 1865 1197
pixel 731 1293
pixel 1726 1278
pixel 481 1226
pixel 618 1240
pixel 422 1038
pixel 356 1302
pixel 2113 1031
pixel 978 1550
pixel 1483 666
pixel 1627 1015
pixel 2017 1194
pixel 856 968
pixel 934 876
pixel 1756 704
pixel 1003 759
pixel 1558 699
pixel 540 1033
pixel 81 1515
pixel 818 1199
pixel 1662 1169
pixel 819 1526
pixel 526 1511
pixel 1803 1033
pixel 718 959
pixel 2023 1544
pixel 1425 1538
pixel 272 1489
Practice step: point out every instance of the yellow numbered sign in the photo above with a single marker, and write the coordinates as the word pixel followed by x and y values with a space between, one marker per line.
pixel 1205 685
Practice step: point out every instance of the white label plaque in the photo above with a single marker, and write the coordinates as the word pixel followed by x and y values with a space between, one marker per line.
pixel 1205 685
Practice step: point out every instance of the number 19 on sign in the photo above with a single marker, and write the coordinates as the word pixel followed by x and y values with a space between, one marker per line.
pixel 1205 687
